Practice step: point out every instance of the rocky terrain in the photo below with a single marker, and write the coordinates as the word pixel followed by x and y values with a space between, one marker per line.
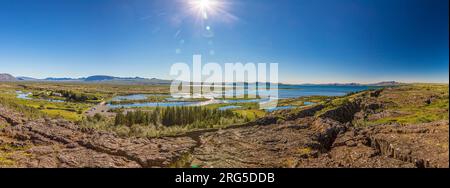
pixel 368 129
pixel 324 137
pixel 59 143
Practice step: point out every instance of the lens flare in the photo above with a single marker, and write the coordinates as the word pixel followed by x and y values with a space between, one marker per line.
pixel 205 7
pixel 209 9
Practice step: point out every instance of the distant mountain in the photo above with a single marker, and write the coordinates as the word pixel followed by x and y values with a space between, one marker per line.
pixel 62 79
pixel 155 81
pixel 24 78
pixel 126 80
pixel 386 83
pixel 7 77
pixel 95 78
pixel 99 78
pixel 159 81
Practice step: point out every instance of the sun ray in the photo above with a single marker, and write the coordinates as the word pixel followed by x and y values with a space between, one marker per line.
pixel 207 9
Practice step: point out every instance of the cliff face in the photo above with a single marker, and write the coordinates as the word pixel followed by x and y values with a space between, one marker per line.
pixel 52 143
pixel 394 127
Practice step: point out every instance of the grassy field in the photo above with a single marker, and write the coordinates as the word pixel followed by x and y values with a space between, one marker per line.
pixel 418 103
pixel 300 101
pixel 38 105
pixel 71 109
pixel 406 104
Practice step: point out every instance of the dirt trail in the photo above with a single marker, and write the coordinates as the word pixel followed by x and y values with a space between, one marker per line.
pixel 100 108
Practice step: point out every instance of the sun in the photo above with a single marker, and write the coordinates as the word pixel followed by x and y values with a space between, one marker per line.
pixel 205 7
pixel 204 4
pixel 207 11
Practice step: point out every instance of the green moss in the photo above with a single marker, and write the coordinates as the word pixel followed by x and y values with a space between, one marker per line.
pixel 409 103
pixel 330 105
pixel 6 153
pixel 300 101
pixel 251 114
pixel 5 160
pixel 183 162
pixel 2 126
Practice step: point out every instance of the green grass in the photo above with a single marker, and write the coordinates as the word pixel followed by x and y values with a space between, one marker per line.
pixel 6 153
pixel 301 100
pixel 5 160
pixel 251 114
pixel 37 108
pixel 67 110
pixel 27 111
pixel 2 126
pixel 330 105
pixel 438 110
pixel 409 103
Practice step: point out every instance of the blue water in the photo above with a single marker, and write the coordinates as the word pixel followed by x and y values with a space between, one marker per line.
pixel 293 91
pixel 22 95
pixel 308 103
pixel 130 97
pixel 133 97
pixel 280 108
pixel 152 104
pixel 26 96
pixel 229 107
pixel 284 91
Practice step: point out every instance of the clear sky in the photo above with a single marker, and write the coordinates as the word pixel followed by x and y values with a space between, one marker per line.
pixel 314 41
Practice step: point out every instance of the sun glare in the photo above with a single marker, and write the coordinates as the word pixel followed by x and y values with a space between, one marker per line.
pixel 204 4
pixel 205 7
pixel 206 12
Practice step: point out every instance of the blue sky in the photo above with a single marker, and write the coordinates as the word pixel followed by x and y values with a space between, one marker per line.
pixel 314 41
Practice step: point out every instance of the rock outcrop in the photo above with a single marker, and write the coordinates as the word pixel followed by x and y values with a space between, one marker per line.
pixel 59 143
pixel 330 139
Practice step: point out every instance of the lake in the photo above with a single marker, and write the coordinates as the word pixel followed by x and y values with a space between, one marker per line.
pixel 284 92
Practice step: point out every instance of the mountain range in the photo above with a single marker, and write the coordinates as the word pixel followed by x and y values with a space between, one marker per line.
pixel 153 81
pixel 92 79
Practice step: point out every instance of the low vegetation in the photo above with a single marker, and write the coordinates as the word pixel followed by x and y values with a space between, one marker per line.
pixel 302 101
pixel 7 151
pixel 405 104
pixel 26 110
pixel 164 121
pixel 171 116
pixel 418 103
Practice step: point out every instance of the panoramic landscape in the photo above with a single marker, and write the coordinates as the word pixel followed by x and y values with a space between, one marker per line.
pixel 84 91
pixel 104 124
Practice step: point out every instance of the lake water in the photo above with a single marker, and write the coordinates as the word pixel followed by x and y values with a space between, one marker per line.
pixel 130 97
pixel 26 96
pixel 152 104
pixel 22 95
pixel 229 107
pixel 280 108
pixel 293 91
pixel 284 91
pixel 135 97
